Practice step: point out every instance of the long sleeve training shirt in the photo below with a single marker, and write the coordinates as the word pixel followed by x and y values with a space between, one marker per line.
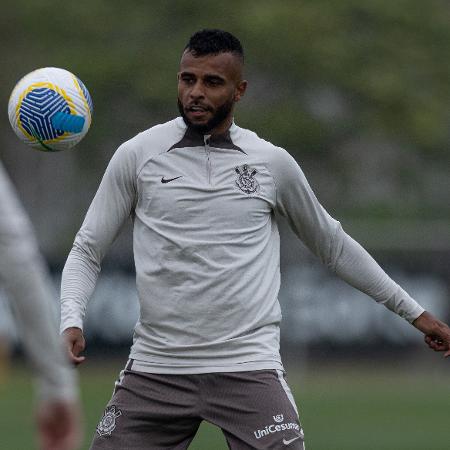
pixel 207 248
pixel 24 274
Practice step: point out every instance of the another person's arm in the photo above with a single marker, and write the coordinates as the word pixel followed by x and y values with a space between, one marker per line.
pixel 24 274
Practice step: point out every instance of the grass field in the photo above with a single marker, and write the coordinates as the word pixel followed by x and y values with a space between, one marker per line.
pixel 342 408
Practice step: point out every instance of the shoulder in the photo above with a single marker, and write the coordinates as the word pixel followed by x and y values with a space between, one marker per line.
pixel 162 136
pixel 274 156
pixel 151 142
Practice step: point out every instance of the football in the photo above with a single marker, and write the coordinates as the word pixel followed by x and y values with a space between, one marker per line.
pixel 50 109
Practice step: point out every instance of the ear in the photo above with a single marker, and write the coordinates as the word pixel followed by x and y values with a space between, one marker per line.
pixel 240 90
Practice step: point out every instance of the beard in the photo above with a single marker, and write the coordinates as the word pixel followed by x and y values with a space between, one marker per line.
pixel 221 114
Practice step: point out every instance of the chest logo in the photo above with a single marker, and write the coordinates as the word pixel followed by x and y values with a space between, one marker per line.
pixel 168 180
pixel 246 181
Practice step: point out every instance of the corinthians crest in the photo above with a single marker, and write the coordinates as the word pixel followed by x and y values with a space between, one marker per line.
pixel 246 181
pixel 108 422
pixel 278 418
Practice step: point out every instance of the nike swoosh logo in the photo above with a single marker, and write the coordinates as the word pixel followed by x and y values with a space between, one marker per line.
pixel 287 442
pixel 168 180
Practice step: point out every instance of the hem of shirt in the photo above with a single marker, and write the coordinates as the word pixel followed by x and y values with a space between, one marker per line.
pixel 161 368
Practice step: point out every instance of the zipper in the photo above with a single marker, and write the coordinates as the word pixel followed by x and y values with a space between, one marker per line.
pixel 206 139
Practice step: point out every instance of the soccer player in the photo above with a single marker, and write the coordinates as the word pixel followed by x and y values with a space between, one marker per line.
pixel 202 193
pixel 23 273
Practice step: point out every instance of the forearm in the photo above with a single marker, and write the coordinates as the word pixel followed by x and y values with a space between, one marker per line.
pixel 77 285
pixel 33 298
pixel 37 321
pixel 354 265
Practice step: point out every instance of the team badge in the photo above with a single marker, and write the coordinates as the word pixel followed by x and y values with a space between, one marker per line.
pixel 108 423
pixel 246 181
pixel 278 418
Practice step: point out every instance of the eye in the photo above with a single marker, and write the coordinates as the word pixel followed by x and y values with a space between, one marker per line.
pixel 187 79
pixel 213 81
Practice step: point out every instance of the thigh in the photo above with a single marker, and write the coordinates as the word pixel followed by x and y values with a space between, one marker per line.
pixel 255 410
pixel 149 411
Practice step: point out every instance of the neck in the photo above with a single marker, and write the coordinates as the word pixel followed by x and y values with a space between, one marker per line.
pixel 218 130
pixel 222 127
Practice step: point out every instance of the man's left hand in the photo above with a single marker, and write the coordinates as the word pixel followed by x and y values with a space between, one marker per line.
pixel 437 333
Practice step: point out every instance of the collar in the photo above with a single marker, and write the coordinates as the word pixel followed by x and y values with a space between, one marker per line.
pixel 193 138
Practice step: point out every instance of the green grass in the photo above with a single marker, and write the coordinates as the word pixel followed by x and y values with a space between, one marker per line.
pixel 341 408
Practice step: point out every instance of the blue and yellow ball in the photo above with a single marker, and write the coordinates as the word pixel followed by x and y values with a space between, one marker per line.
pixel 50 109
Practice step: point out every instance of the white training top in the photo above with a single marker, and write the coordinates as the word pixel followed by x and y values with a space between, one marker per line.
pixel 24 274
pixel 207 248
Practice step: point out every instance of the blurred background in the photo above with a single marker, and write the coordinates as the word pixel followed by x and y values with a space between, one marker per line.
pixel 359 93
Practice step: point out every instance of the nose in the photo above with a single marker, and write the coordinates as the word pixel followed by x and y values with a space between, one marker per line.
pixel 196 91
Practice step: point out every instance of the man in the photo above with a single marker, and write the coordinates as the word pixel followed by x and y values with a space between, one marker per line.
pixel 202 193
pixel 23 273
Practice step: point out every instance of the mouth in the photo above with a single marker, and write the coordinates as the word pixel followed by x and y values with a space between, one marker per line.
pixel 197 111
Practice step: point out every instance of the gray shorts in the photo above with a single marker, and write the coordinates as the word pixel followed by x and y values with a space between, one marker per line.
pixel 255 410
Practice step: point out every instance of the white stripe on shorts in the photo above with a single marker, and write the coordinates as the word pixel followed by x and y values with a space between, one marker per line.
pixel 289 395
pixel 287 390
pixel 118 382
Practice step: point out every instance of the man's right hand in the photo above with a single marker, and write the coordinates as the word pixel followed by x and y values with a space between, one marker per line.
pixel 75 344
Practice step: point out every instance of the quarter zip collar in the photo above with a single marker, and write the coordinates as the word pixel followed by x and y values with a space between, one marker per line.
pixel 193 138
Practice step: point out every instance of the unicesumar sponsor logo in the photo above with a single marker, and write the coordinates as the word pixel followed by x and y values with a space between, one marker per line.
pixel 276 428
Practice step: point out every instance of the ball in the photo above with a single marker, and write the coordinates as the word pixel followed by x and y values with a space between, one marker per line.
pixel 50 109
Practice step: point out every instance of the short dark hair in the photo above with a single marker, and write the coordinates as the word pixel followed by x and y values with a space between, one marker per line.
pixel 212 42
